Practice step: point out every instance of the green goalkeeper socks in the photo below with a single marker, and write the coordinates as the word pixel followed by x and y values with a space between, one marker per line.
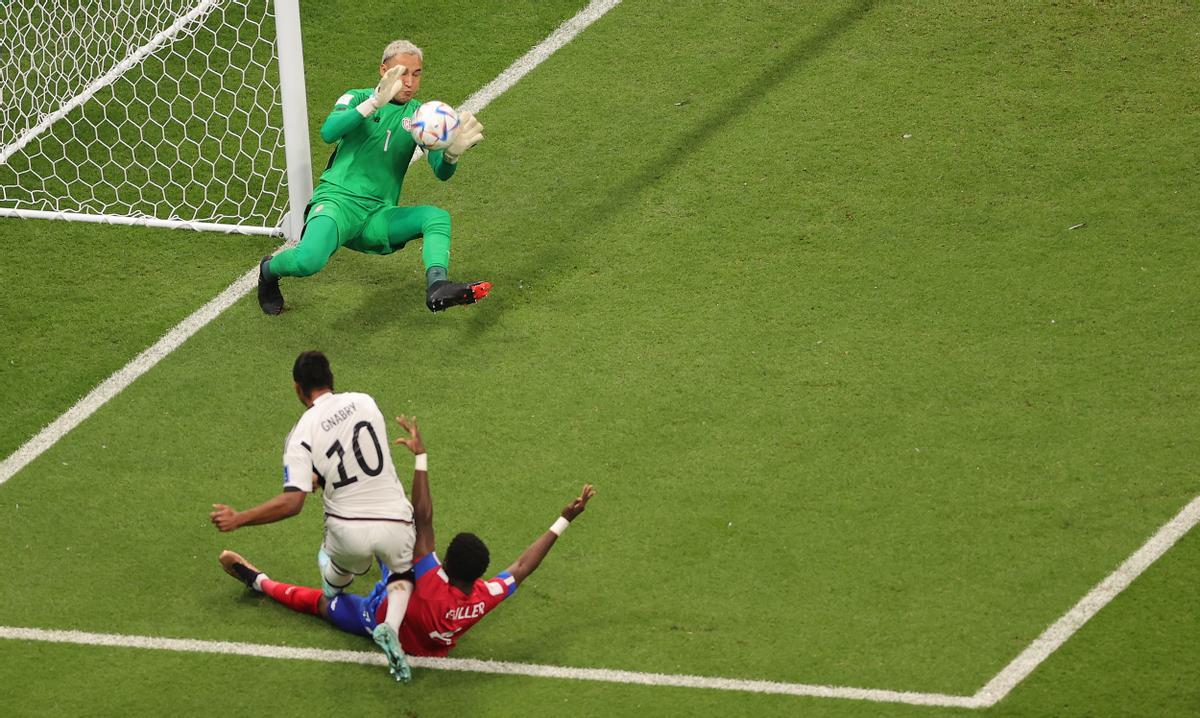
pixel 434 274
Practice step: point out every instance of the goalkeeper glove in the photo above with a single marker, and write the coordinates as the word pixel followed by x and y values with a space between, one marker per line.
pixel 468 134
pixel 388 86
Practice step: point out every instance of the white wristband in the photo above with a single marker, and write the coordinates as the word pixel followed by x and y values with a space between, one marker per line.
pixel 559 526
pixel 422 463
pixel 367 107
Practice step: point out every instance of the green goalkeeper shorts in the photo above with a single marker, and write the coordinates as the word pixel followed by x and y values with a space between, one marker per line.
pixel 362 224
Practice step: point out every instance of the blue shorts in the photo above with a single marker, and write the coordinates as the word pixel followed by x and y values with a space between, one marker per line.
pixel 356 614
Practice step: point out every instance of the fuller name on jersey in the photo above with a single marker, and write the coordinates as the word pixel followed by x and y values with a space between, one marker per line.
pixel 439 614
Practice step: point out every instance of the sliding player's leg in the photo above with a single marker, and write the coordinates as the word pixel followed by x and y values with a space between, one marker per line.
pixel 350 613
pixel 298 598
pixel 392 228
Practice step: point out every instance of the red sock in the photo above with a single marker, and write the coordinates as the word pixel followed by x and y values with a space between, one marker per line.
pixel 297 598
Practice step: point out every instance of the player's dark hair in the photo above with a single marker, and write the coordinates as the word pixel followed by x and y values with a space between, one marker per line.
pixel 311 371
pixel 466 558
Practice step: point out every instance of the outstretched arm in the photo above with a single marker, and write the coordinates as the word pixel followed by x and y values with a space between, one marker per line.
pixel 532 557
pixel 283 506
pixel 341 121
pixel 422 500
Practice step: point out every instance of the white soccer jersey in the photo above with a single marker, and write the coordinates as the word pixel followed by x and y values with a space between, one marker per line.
pixel 342 439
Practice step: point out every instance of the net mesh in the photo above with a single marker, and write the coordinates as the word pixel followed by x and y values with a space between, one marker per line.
pixel 167 109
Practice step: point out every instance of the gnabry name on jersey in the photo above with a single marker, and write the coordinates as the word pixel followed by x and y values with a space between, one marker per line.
pixel 338 417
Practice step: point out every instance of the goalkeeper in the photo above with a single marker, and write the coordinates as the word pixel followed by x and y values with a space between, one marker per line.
pixel 354 204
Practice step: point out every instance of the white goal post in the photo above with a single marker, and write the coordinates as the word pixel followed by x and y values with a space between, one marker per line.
pixel 187 114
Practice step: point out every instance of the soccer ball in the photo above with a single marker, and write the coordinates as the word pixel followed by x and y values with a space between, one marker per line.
pixel 433 125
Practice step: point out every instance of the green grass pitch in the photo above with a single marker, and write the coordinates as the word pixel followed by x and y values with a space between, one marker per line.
pixel 792 283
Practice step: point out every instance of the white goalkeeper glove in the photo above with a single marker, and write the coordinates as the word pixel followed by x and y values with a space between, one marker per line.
pixel 468 134
pixel 388 86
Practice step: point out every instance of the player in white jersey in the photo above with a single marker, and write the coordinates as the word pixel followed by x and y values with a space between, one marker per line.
pixel 340 445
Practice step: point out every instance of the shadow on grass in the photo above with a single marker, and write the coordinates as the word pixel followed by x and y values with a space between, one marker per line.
pixel 679 148
pixel 394 302
pixel 387 306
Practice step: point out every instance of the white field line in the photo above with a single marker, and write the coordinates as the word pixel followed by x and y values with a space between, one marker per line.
pixel 993 692
pixel 544 49
pixel 114 73
pixel 1088 606
pixel 125 376
pixel 171 341
pixel 480 666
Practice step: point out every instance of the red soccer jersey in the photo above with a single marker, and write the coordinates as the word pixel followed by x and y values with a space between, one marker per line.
pixel 439 613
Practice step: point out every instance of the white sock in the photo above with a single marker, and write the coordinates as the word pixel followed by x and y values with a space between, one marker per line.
pixel 258 581
pixel 398 593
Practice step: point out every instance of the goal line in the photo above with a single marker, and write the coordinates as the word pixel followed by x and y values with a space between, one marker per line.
pixel 474 665
pixel 989 695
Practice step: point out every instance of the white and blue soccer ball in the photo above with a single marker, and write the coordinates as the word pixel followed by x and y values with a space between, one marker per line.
pixel 433 125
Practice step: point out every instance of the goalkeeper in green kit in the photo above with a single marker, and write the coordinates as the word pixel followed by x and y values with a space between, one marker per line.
pixel 354 204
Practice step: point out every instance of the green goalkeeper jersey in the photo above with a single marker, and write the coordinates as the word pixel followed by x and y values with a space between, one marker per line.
pixel 373 152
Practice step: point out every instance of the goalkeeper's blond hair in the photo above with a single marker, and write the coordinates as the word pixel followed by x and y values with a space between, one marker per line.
pixel 401 47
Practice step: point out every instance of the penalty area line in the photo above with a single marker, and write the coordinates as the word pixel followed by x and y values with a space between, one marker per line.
pixel 473 665
pixel 180 333
pixel 1100 596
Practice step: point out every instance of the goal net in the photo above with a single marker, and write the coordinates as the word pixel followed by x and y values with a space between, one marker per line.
pixel 153 112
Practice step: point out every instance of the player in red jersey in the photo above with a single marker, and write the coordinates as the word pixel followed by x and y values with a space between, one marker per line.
pixel 449 597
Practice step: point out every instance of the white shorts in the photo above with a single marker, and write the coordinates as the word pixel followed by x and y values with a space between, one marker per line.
pixel 353 545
